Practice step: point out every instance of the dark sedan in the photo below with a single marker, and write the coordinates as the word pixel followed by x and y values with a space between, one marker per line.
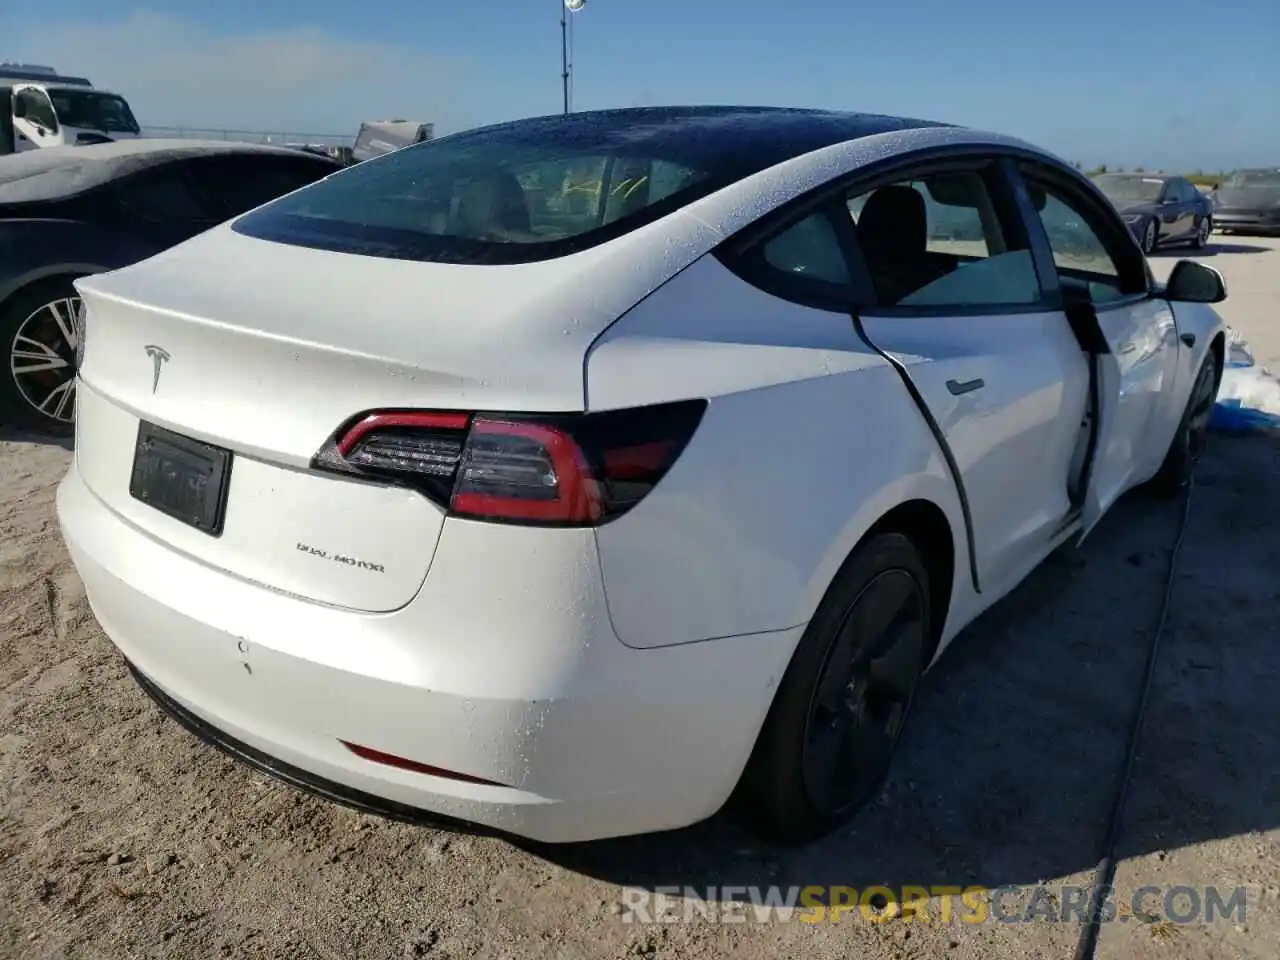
pixel 1160 209
pixel 1248 201
pixel 70 211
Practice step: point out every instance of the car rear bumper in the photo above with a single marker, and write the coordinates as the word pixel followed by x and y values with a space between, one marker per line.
pixel 287 773
pixel 520 682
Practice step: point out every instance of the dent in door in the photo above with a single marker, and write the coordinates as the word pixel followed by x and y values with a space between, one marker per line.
pixel 1133 376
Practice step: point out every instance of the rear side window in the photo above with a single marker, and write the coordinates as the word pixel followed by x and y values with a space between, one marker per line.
pixel 810 250
pixel 162 195
pixel 489 197
pixel 240 183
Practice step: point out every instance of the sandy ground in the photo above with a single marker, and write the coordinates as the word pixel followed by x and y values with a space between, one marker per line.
pixel 122 836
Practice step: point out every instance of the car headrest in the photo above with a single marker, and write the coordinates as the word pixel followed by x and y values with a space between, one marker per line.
pixel 894 221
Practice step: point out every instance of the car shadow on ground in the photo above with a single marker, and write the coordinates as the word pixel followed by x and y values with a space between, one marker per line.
pixel 1214 248
pixel 10 434
pixel 1009 764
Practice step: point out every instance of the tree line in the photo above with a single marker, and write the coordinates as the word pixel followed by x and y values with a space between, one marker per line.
pixel 1201 178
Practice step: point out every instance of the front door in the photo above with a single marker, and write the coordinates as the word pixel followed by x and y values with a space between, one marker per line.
pixel 1102 275
pixel 962 314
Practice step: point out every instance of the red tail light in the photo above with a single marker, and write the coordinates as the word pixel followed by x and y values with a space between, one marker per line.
pixel 558 469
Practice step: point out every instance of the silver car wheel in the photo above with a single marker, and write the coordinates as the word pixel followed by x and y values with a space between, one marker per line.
pixel 1149 238
pixel 42 359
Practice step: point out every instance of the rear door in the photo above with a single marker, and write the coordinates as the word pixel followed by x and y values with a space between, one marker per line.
pixel 1103 280
pixel 960 311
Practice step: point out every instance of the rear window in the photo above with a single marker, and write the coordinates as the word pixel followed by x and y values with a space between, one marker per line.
pixel 504 195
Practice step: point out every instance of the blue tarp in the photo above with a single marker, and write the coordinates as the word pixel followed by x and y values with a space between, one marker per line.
pixel 1249 396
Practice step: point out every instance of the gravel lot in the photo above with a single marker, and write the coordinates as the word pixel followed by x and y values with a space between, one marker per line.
pixel 122 836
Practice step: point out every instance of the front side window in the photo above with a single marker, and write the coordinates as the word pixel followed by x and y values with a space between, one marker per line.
pixel 508 195
pixel 32 104
pixel 94 110
pixel 1080 251
pixel 938 242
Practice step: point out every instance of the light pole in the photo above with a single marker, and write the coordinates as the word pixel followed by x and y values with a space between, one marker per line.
pixel 567 7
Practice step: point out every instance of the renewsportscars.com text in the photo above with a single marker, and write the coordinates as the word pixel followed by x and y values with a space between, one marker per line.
pixel 931 904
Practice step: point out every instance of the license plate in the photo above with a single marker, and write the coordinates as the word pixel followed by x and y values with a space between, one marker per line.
pixel 181 477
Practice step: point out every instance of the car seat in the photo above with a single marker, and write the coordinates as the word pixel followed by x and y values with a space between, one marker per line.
pixel 893 231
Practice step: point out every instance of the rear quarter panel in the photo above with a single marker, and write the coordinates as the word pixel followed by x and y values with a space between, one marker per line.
pixel 808 440
pixel 36 249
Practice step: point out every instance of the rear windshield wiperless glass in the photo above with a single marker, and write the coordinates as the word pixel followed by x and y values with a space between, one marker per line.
pixel 484 199
pixel 1141 189
pixel 1254 178
pixel 545 187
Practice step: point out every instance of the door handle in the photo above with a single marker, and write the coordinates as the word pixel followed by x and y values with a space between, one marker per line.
pixel 968 386
pixel 1128 347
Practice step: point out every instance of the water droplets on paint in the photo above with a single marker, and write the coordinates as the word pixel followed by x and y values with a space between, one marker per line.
pixel 468 706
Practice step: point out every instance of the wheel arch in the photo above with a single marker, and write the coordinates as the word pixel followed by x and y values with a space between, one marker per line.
pixel 925 524
pixel 928 513
pixel 1218 348
pixel 17 286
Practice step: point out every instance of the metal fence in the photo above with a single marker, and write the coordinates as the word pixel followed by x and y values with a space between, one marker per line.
pixel 250 136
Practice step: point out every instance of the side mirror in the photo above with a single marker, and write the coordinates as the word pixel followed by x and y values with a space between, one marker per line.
pixel 1193 282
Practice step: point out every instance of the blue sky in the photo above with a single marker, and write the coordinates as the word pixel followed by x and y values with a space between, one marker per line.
pixel 1126 82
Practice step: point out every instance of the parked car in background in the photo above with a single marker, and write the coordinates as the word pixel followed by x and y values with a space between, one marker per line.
pixel 1159 209
pixel 70 211
pixel 1248 201
pixel 602 467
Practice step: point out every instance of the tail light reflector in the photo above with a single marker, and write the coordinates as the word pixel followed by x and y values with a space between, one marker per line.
pixel 559 469
pixel 391 760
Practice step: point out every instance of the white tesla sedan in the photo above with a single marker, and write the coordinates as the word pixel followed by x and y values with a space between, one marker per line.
pixel 569 477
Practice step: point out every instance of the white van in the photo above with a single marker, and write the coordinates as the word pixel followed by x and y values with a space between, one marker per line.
pixel 50 110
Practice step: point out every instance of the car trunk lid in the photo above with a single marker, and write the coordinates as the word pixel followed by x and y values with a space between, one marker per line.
pixel 265 350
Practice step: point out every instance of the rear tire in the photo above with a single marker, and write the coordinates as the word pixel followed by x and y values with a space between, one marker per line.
pixel 37 375
pixel 1191 439
pixel 832 728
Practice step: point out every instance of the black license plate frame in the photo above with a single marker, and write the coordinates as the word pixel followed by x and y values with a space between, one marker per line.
pixel 185 479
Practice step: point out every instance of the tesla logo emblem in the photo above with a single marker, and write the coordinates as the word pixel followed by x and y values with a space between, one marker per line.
pixel 159 357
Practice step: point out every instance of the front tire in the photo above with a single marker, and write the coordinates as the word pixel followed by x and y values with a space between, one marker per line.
pixel 1150 237
pixel 1192 437
pixel 844 699
pixel 39 330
